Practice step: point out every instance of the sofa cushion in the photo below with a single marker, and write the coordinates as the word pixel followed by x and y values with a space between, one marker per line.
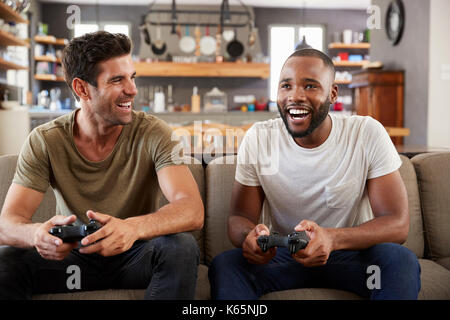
pixel 311 294
pixel 435 281
pixel 46 209
pixel 219 177
pixel 433 176
pixel 415 241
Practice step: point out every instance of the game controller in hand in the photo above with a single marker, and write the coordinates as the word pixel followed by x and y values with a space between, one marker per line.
pixel 295 241
pixel 71 233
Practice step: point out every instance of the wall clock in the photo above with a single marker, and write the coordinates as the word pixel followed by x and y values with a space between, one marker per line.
pixel 395 21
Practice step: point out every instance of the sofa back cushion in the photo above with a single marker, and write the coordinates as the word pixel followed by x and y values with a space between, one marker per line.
pixel 415 240
pixel 433 176
pixel 219 177
pixel 46 209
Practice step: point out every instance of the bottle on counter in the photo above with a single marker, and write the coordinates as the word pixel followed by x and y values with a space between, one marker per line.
pixel 160 101
pixel 195 101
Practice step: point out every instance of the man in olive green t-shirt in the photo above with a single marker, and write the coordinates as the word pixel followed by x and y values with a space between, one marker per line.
pixel 104 162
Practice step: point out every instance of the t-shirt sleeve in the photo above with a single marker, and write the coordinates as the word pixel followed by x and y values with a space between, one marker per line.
pixel 165 148
pixel 247 158
pixel 33 165
pixel 381 152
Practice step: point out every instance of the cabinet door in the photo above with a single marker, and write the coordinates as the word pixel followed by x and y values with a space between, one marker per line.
pixel 362 103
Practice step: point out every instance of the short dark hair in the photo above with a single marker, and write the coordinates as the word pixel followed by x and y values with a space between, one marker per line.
pixel 82 55
pixel 309 52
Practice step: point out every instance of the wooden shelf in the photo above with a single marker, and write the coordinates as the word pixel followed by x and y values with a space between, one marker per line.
pixel 51 40
pixel 47 58
pixel 48 77
pixel 8 14
pixel 6 65
pixel 202 69
pixel 397 131
pixel 343 82
pixel 7 39
pixel 338 45
pixel 350 63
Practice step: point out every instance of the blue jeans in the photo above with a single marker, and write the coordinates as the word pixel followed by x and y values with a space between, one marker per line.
pixel 165 266
pixel 232 277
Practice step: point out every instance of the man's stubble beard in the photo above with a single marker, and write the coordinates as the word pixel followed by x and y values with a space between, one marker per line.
pixel 317 117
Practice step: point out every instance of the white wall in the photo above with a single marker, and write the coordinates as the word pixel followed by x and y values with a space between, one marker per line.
pixel 439 75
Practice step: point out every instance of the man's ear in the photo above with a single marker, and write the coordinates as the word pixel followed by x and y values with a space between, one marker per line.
pixel 80 87
pixel 334 93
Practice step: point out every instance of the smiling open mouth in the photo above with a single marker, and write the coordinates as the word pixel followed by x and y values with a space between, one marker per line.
pixel 298 113
pixel 125 105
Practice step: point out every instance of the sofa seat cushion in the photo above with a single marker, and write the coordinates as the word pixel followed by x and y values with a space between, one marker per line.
pixel 311 294
pixel 435 280
pixel 110 294
pixel 445 262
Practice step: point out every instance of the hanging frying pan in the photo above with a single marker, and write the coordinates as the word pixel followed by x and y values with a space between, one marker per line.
pixel 187 43
pixel 235 47
pixel 158 46
pixel 207 44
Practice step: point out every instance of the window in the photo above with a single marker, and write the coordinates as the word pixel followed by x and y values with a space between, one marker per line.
pixel 283 40
pixel 83 28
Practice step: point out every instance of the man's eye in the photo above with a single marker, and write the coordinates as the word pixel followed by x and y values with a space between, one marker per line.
pixel 310 86
pixel 285 86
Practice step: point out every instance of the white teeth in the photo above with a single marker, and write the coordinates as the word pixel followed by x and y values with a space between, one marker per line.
pixel 126 105
pixel 298 111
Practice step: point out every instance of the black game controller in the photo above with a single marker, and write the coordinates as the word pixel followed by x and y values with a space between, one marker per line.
pixel 295 241
pixel 71 233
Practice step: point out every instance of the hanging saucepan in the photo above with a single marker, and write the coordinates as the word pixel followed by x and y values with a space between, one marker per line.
pixel 207 44
pixel 187 43
pixel 158 46
pixel 235 47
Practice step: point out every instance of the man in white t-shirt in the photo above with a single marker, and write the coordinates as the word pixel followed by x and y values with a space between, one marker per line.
pixel 334 177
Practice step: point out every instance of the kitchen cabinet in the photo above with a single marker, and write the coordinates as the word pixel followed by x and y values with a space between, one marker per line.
pixel 50 58
pixel 203 69
pixel 380 94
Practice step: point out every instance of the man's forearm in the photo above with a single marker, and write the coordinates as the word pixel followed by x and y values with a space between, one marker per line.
pixel 179 216
pixel 17 233
pixel 381 229
pixel 238 229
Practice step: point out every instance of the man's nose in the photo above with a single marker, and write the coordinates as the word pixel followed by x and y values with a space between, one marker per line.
pixel 130 88
pixel 297 95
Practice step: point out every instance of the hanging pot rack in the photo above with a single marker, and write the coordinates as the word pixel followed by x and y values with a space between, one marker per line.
pixel 225 17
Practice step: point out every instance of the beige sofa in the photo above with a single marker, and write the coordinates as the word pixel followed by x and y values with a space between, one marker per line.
pixel 427 179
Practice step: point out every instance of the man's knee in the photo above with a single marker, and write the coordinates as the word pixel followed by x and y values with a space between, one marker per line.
pixel 179 247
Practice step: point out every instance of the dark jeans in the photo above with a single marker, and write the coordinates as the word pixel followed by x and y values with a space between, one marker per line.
pixel 233 278
pixel 165 266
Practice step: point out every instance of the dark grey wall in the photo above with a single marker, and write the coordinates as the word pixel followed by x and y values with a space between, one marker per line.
pixel 411 55
pixel 334 20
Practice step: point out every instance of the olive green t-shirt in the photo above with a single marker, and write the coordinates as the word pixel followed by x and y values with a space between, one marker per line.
pixel 124 184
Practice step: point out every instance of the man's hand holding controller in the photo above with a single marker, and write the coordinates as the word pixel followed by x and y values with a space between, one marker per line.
pixel 251 250
pixel 49 246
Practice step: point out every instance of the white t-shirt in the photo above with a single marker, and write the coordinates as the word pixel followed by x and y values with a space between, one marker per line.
pixel 326 184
